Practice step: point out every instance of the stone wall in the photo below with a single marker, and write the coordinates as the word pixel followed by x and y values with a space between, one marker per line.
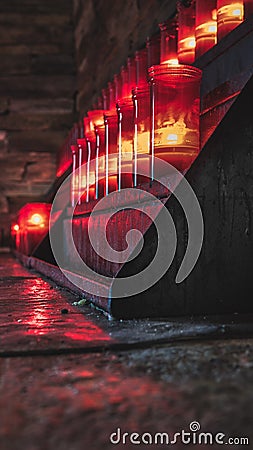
pixel 37 91
pixel 106 33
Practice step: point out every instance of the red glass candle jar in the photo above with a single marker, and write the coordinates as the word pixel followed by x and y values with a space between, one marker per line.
pixel 141 62
pixel 33 222
pixel 74 179
pixel 125 142
pixel 230 14
pixel 97 120
pixel 132 73
pixel 141 116
pixel 124 83
pixel 116 93
pixel 111 146
pixel 153 45
pixel 125 129
pixel 111 136
pixel 206 26
pixel 186 31
pixel 141 101
pixel 169 33
pixel 90 137
pixel 15 237
pixel 83 192
pixel 175 100
pixel 248 8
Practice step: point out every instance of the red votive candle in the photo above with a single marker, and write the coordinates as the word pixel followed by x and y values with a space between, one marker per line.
pixel 97 120
pixel 230 14
pixel 153 45
pixel 169 37
pixel 175 100
pixel 186 32
pixel 90 137
pixel 206 26
pixel 111 134
pixel 126 127
pixel 141 117
pixel 83 192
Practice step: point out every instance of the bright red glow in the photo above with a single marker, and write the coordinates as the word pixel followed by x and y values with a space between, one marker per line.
pixel 33 222
pixel 96 117
pixel 33 214
pixel 63 168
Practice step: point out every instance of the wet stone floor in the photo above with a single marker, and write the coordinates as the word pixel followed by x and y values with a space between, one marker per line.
pixel 72 380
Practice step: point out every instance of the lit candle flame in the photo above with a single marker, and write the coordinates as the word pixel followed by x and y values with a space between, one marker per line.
pixel 36 219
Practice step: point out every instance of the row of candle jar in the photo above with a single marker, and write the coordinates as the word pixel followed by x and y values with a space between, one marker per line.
pixel 175 44
pixel 121 144
pixel 137 68
pixel 192 32
pixel 201 23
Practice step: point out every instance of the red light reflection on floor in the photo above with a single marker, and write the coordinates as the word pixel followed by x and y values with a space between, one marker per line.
pixel 45 315
pixel 88 335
